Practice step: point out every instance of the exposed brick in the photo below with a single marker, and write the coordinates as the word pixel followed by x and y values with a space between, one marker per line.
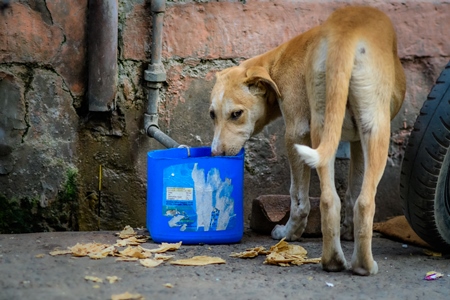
pixel 71 17
pixel 25 37
pixel 232 29
pixel 136 33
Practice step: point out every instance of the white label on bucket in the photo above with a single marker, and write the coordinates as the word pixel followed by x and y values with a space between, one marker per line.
pixel 180 194
pixel 214 204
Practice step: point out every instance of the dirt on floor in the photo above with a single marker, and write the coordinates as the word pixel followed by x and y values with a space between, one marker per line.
pixel 28 271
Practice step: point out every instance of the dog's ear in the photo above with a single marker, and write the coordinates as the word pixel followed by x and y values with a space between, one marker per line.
pixel 259 82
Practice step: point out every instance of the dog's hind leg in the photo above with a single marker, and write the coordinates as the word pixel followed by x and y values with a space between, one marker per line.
pixel 355 178
pixel 375 146
pixel 371 93
pixel 333 259
pixel 299 191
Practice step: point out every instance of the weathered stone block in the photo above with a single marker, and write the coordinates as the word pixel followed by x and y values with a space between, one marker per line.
pixel 43 124
pixel 12 120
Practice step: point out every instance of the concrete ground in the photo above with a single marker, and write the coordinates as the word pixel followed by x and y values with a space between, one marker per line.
pixel 27 271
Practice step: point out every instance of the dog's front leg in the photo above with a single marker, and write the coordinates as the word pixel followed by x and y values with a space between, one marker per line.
pixel 355 178
pixel 299 191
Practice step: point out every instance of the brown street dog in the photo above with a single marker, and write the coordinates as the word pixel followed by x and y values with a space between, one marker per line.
pixel 341 80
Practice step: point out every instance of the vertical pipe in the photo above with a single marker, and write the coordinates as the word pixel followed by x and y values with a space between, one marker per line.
pixel 155 75
pixel 158 9
pixel 102 54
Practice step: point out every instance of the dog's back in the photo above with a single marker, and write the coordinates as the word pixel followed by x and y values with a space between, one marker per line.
pixel 352 53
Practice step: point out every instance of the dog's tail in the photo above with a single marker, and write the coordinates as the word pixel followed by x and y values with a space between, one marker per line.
pixel 339 65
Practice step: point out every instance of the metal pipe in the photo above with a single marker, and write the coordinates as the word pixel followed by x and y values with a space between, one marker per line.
pixel 161 137
pixel 155 75
pixel 158 8
pixel 102 54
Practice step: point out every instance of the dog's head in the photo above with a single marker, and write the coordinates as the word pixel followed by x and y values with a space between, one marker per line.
pixel 241 103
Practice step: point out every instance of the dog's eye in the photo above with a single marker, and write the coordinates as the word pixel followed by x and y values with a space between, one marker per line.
pixel 212 115
pixel 236 114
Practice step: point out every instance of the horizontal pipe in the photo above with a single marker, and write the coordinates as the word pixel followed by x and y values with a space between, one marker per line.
pixel 161 137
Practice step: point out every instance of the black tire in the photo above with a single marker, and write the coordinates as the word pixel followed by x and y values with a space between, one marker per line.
pixel 425 176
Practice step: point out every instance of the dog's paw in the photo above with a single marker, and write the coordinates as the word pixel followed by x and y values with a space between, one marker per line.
pixel 365 270
pixel 336 264
pixel 280 231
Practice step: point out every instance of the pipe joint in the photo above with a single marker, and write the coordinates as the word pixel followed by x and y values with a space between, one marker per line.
pixel 158 6
pixel 150 120
pixel 155 73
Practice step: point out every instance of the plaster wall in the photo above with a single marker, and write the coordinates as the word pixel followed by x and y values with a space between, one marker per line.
pixel 46 131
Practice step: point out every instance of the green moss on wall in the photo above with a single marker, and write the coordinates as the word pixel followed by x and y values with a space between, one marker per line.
pixel 27 215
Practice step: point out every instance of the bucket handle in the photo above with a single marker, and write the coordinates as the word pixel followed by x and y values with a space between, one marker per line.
pixel 187 148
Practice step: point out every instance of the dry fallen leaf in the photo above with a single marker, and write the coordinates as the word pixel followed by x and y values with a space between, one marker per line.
pixel 97 255
pixel 285 254
pixel 199 261
pixel 281 254
pixel 137 252
pixel 121 243
pixel 40 255
pixel 112 279
pixel 276 258
pixel 127 232
pixel 285 247
pixel 127 296
pixel 432 253
pixel 60 252
pixel 150 263
pixel 162 256
pixel 93 278
pixel 85 249
pixel 312 260
pixel 168 285
pixel 127 259
pixel 164 247
pixel 103 253
pixel 251 252
pixel 245 254
pixel 132 241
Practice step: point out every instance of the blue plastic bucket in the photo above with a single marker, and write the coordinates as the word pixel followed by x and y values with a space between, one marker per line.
pixel 194 197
